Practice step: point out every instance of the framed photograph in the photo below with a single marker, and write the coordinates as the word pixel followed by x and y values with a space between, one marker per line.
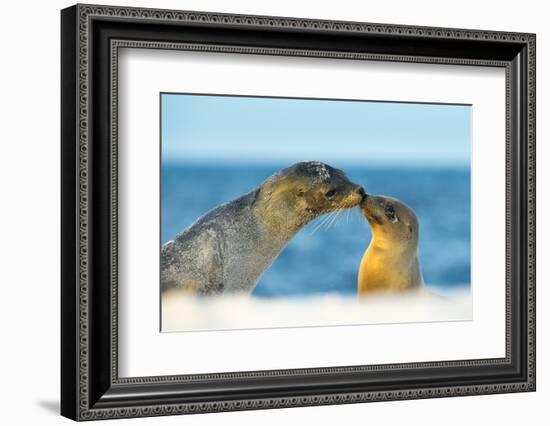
pixel 263 212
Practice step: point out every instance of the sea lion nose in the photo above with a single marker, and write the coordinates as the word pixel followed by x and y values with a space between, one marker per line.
pixel 361 192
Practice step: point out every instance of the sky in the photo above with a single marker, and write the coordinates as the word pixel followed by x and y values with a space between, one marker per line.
pixel 209 129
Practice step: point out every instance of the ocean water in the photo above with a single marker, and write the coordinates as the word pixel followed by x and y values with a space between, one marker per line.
pixel 327 260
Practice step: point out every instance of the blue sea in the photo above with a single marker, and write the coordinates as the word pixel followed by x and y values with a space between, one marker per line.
pixel 327 260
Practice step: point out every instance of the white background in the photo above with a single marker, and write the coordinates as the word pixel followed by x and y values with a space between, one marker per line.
pixel 29 225
pixel 142 346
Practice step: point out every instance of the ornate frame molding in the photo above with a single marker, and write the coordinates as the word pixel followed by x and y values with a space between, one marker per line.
pixel 88 408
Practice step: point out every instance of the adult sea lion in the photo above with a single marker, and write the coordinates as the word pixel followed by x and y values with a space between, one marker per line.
pixel 228 249
pixel 390 263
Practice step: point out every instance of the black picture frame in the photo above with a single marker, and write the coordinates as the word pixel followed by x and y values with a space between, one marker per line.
pixel 90 386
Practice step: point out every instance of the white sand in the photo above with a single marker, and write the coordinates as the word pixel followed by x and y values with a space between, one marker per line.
pixel 181 312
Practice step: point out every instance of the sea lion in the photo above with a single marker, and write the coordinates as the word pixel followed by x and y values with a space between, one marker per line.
pixel 391 262
pixel 228 249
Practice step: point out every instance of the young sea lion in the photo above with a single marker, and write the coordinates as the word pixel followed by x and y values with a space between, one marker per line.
pixel 390 263
pixel 229 248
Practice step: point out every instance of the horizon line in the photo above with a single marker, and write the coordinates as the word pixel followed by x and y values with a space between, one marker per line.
pixel 370 164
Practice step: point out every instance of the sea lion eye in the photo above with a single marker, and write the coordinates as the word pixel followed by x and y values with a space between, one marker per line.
pixel 389 210
pixel 330 193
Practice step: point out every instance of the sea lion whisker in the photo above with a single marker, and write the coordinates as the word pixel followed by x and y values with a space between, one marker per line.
pixel 328 222
pixel 328 219
pixel 340 217
pixel 318 223
pixel 324 221
pixel 319 226
pixel 315 224
pixel 334 218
